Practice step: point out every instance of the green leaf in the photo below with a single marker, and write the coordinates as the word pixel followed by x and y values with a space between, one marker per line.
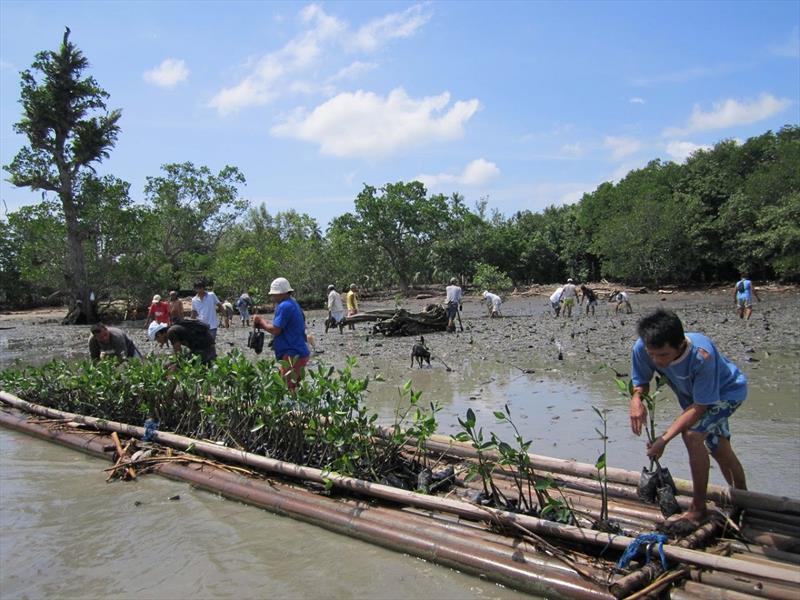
pixel 499 415
pixel 601 462
pixel 470 418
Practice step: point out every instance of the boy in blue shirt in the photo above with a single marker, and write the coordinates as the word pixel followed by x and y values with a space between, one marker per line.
pixel 709 388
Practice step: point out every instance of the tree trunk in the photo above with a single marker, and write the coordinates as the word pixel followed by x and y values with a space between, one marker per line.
pixel 81 305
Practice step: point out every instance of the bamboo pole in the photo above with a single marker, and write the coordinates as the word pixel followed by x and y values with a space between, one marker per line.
pixel 463 509
pixel 531 571
pixel 789 558
pixel 747 585
pixel 708 592
pixel 721 495
pixel 780 541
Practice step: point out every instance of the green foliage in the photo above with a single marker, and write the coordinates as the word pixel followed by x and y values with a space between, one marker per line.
pixel 517 460
pixel 243 404
pixel 398 225
pixel 489 277
pixel 728 209
pixel 192 209
pixel 68 129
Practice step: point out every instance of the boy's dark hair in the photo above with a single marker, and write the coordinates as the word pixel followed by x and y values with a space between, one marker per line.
pixel 661 327
pixel 200 283
pixel 97 328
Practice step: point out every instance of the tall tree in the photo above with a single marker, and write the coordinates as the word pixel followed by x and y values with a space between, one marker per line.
pixel 68 128
pixel 399 223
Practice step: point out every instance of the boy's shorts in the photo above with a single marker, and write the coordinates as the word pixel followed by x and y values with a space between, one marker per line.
pixel 745 303
pixel 714 423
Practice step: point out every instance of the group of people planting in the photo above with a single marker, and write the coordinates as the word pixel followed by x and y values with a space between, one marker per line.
pixel 709 387
pixel 566 296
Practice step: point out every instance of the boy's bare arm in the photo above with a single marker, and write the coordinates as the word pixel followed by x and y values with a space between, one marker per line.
pixel 685 420
pixel 638 412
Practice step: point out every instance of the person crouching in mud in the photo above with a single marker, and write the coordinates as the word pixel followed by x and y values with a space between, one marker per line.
pixel 709 388
pixel 289 328
pixel 191 334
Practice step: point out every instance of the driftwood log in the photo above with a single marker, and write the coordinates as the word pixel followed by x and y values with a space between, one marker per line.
pixel 400 322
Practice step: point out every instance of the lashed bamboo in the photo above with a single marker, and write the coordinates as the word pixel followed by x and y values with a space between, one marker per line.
pixel 463 509
pixel 708 592
pixel 528 571
pixel 639 578
pixel 746 585
pixel 776 540
pixel 788 558
pixel 721 495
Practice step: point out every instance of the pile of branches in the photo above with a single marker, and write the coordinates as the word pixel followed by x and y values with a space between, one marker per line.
pixel 400 322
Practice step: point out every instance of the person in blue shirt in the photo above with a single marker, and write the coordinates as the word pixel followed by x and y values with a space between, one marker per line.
pixel 743 294
pixel 709 388
pixel 288 325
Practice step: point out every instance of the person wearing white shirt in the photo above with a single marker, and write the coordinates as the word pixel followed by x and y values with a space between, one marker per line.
pixel 568 297
pixel 455 296
pixel 493 303
pixel 555 301
pixel 335 307
pixel 204 307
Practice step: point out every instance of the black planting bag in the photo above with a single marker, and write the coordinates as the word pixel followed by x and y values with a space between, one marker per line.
pixel 255 341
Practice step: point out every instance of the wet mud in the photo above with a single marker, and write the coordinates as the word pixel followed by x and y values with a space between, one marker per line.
pixel 549 371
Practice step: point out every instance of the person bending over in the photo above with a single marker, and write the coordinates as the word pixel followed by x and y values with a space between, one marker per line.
pixel 709 388
pixel 191 334
pixel 108 341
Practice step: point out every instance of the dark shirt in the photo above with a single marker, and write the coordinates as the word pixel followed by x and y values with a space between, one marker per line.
pixel 119 344
pixel 196 336
pixel 589 295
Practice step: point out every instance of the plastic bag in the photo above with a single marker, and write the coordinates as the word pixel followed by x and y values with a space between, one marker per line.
pixel 255 340
pixel 665 496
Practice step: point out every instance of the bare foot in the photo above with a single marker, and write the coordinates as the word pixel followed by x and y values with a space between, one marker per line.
pixel 685 523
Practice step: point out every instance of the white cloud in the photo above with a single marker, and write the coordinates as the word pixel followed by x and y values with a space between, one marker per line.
pixel 680 151
pixel 364 124
pixel 572 150
pixel 789 48
pixel 621 146
pixel 731 113
pixel 395 25
pixel 353 70
pixel 322 36
pixel 636 100
pixel 476 173
pixel 168 74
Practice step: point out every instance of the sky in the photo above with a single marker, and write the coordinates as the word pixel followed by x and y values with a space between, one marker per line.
pixel 522 104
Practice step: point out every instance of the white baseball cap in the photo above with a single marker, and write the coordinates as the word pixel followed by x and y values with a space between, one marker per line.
pixel 156 298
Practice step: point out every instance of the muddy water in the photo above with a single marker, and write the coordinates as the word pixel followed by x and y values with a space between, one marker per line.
pixel 68 534
pixel 59 518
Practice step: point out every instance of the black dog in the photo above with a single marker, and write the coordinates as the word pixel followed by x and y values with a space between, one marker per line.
pixel 421 353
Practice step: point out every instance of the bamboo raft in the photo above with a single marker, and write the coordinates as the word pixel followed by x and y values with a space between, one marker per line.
pixel 756 558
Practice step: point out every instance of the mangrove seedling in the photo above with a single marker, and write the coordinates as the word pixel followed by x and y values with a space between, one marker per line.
pixel 484 467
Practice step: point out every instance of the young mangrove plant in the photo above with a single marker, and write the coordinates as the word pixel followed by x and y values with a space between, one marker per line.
pixel 484 467
pixel 601 465
pixel 243 404
pixel 519 461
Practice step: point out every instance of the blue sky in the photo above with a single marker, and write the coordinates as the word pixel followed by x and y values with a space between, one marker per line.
pixel 525 104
